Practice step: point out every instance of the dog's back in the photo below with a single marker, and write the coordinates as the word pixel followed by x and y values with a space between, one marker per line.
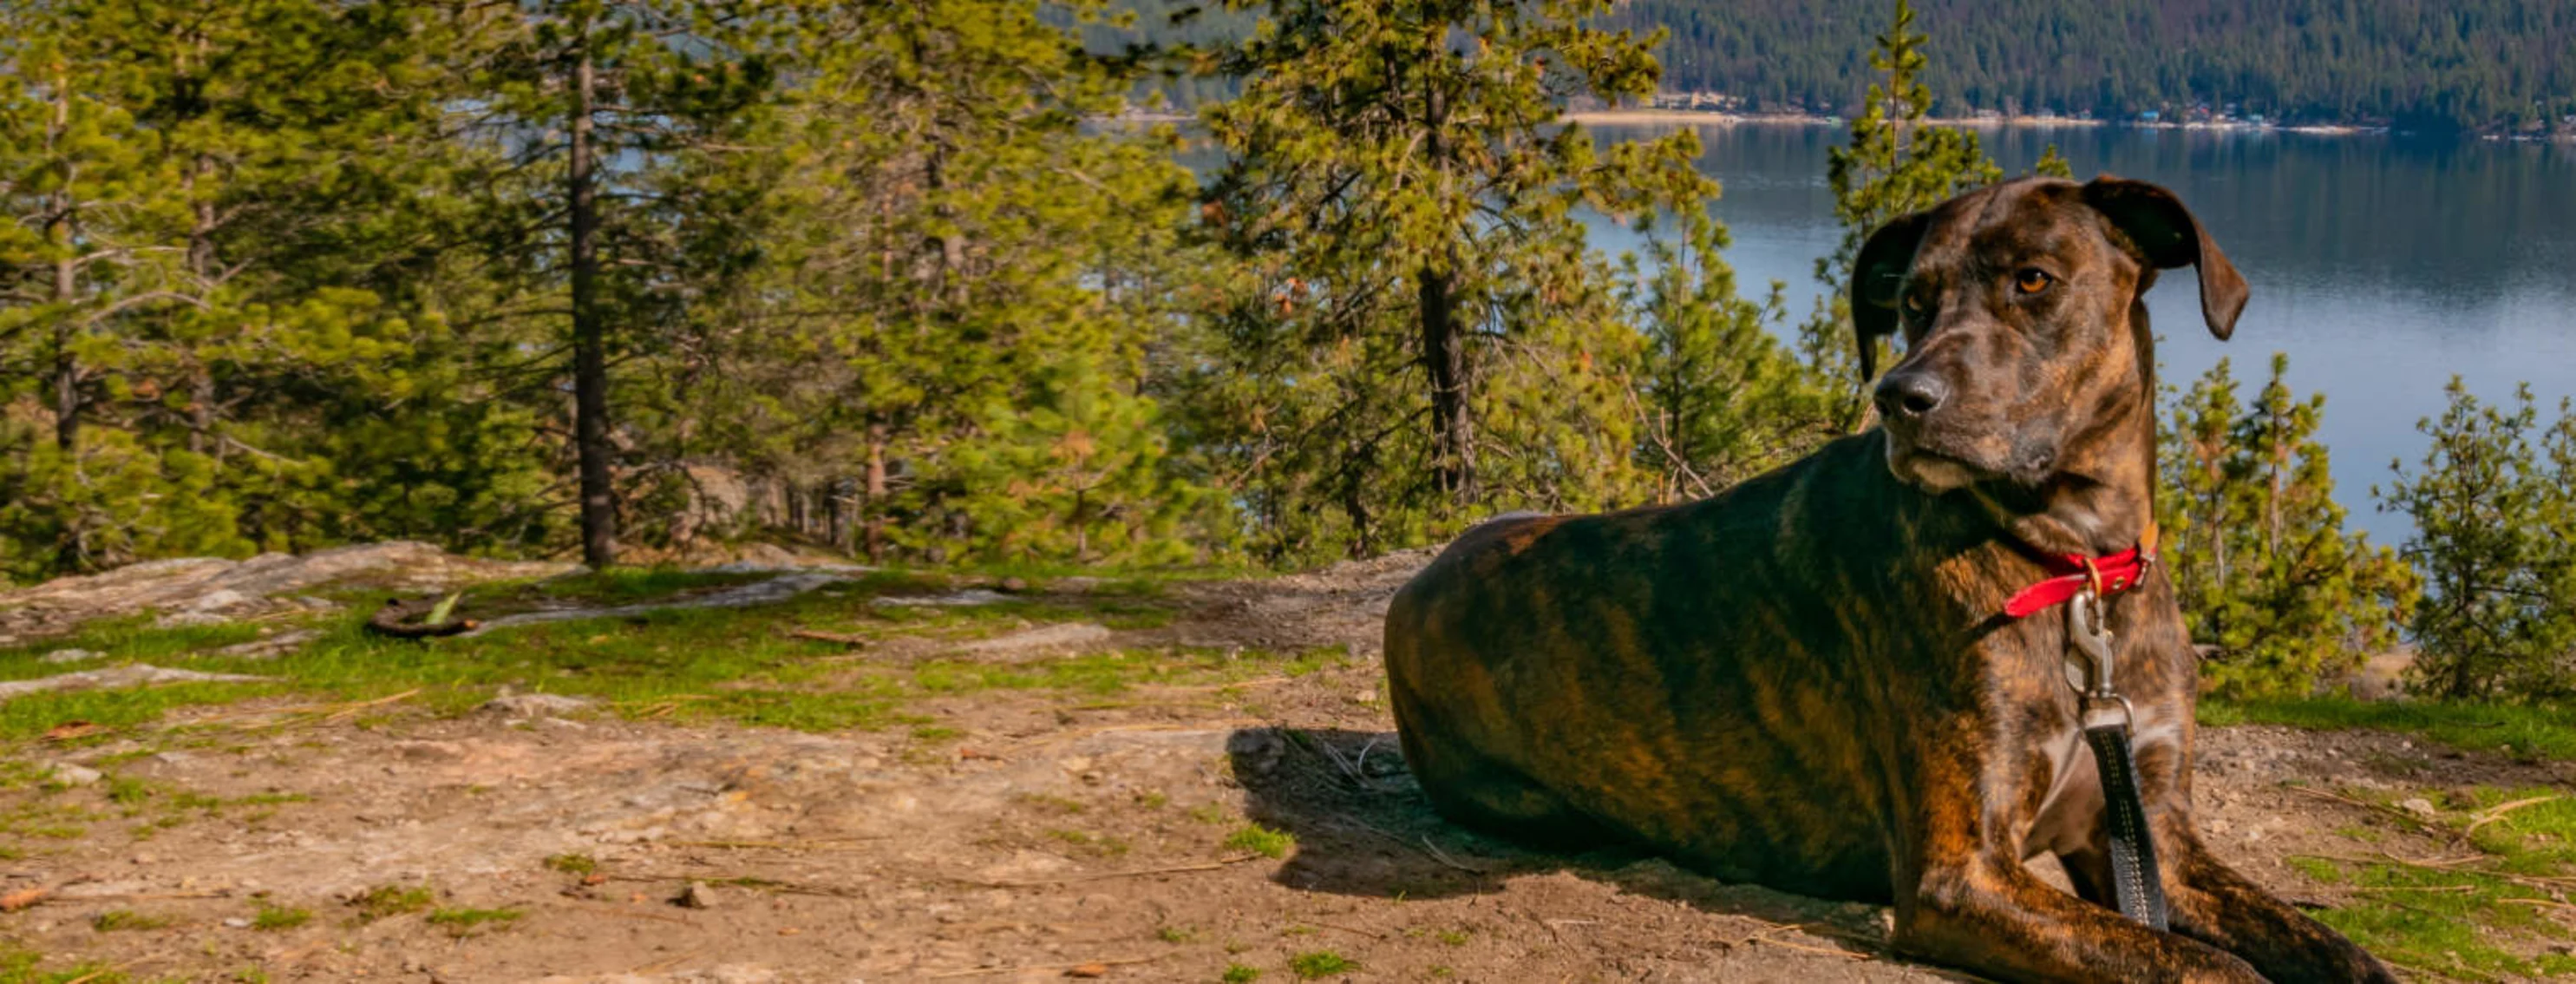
pixel 1520 659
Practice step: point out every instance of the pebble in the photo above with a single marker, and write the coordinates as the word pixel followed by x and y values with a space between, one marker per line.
pixel 72 656
pixel 73 775
pixel 535 705
pixel 696 896
pixel 2418 806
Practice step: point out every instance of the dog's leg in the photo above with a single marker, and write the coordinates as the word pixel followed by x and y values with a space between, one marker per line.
pixel 1965 898
pixel 2214 904
pixel 1993 916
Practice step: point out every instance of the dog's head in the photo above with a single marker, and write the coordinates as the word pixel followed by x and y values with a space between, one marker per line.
pixel 2025 335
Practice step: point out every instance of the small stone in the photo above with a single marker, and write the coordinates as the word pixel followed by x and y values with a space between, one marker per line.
pixel 237 922
pixel 2418 806
pixel 1364 696
pixel 535 705
pixel 72 656
pixel 696 896
pixel 73 775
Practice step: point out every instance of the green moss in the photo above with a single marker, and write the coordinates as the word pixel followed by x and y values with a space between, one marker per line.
pixel 388 901
pixel 466 922
pixel 275 918
pixel 1321 963
pixel 1261 840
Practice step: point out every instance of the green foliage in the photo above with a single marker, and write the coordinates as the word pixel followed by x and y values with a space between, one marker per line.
pixel 388 901
pixel 2259 557
pixel 273 918
pixel 1895 164
pixel 2493 516
pixel 965 296
pixel 1321 963
pixel 1721 398
pixel 2531 732
pixel 464 922
pixel 1417 334
pixel 1261 840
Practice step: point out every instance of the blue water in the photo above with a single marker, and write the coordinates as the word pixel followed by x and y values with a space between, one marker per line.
pixel 2383 265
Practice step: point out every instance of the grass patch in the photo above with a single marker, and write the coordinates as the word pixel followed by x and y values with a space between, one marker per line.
pixel 1321 963
pixel 22 966
pixel 466 922
pixel 740 665
pixel 276 918
pixel 572 864
pixel 2466 922
pixel 114 920
pixel 388 901
pixel 1240 974
pixel 2531 733
pixel 1261 840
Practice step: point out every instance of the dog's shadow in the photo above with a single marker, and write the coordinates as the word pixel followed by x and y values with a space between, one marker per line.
pixel 1363 827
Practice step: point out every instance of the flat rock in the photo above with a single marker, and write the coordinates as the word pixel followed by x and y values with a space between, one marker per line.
pixel 129 675
pixel 534 705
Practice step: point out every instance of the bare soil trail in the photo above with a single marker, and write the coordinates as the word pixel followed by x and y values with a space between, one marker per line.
pixel 1016 835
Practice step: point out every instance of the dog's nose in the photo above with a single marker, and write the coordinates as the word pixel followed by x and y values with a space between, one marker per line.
pixel 1911 394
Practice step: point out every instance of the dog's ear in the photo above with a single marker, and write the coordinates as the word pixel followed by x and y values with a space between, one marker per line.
pixel 1878 283
pixel 2164 234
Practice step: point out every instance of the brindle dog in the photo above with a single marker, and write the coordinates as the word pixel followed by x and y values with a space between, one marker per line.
pixel 1806 682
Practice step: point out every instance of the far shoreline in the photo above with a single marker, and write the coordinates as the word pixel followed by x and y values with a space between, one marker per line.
pixel 1689 117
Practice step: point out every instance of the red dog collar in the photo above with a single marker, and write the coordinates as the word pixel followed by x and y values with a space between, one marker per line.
pixel 2107 576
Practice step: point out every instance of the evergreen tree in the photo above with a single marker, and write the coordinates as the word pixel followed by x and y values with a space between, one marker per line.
pixel 1421 330
pixel 603 121
pixel 2492 522
pixel 1894 164
pixel 1721 398
pixel 971 282
pixel 2266 574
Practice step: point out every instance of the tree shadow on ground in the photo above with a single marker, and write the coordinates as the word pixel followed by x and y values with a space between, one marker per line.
pixel 1364 828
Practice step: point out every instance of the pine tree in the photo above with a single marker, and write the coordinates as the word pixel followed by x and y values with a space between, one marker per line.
pixel 2268 578
pixel 971 283
pixel 610 126
pixel 1894 164
pixel 1420 330
pixel 2492 521
pixel 1721 398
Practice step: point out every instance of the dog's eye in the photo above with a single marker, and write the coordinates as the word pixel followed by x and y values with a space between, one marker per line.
pixel 2032 281
pixel 1913 305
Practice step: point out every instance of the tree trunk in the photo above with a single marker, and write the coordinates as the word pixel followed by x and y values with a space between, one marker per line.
pixel 589 336
pixel 58 232
pixel 1444 353
pixel 1444 346
pixel 201 269
pixel 876 492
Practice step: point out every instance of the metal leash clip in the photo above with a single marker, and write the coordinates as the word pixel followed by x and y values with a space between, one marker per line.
pixel 2088 654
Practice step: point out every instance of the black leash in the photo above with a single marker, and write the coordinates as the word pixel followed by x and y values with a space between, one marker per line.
pixel 2137 890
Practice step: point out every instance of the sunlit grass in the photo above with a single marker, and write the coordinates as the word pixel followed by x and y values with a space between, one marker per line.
pixel 742 665
pixel 2532 733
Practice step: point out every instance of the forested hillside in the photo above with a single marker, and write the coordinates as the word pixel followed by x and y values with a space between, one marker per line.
pixel 2417 63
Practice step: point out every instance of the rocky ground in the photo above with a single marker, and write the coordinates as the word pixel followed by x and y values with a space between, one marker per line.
pixel 1261 825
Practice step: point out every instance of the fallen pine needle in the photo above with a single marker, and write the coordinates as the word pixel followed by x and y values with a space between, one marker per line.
pixel 2494 813
pixel 351 710
pixel 1106 875
pixel 843 638
pixel 981 971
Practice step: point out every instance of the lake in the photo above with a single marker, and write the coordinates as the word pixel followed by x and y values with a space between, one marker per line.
pixel 2382 264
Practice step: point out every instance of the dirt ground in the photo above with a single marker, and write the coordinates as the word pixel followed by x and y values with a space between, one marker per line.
pixel 1035 836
